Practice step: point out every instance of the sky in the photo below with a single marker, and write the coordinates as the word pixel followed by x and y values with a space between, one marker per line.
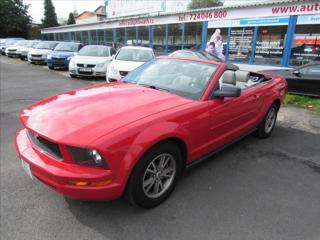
pixel 64 7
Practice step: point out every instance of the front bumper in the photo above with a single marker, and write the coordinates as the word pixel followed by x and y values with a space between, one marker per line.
pixel 58 63
pixel 58 174
pixel 38 60
pixel 96 72
pixel 13 54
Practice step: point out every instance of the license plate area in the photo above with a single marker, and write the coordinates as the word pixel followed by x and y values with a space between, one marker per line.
pixel 26 168
pixel 86 70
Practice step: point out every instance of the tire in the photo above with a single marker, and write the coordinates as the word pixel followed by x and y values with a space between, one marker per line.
pixel 73 76
pixel 148 172
pixel 266 127
pixel 51 68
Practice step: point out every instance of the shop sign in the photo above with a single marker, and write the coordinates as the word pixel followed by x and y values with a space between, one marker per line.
pixel 309 19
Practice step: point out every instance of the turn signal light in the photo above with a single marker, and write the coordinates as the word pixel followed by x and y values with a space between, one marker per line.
pixel 93 184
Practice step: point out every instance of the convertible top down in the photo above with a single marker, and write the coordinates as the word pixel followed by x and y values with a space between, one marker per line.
pixel 135 137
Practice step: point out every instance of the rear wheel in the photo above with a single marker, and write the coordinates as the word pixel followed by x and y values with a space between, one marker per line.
pixel 267 125
pixel 155 176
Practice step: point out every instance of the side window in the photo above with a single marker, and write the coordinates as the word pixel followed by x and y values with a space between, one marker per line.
pixel 311 70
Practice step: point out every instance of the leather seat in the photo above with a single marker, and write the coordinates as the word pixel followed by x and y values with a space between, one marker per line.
pixel 242 78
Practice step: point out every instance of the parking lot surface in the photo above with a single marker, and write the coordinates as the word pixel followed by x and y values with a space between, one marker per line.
pixel 255 189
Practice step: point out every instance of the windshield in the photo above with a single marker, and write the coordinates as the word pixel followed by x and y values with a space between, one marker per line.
pixel 32 43
pixel 67 47
pixel 94 51
pixel 22 43
pixel 46 45
pixel 184 78
pixel 135 55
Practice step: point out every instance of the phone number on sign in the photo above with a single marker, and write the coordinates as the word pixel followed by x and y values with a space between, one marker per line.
pixel 202 16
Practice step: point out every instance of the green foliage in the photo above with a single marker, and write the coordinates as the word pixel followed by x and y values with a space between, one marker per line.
pixel 302 101
pixel 195 4
pixel 71 19
pixel 50 16
pixel 14 19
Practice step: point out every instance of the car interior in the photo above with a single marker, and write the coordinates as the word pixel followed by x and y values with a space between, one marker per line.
pixel 241 79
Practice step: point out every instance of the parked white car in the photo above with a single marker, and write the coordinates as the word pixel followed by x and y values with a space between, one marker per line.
pixel 14 51
pixel 91 60
pixel 24 50
pixel 40 53
pixel 127 59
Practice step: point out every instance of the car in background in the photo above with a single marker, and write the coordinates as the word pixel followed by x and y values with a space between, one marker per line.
pixel 14 51
pixel 127 59
pixel 303 80
pixel 8 43
pixel 91 60
pixel 201 54
pixel 61 55
pixel 26 49
pixel 41 51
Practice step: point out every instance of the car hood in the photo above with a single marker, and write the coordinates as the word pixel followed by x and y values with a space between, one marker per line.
pixel 89 59
pixel 62 54
pixel 95 111
pixel 126 66
pixel 40 51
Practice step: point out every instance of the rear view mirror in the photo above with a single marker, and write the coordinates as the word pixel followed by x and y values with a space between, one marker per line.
pixel 297 73
pixel 227 91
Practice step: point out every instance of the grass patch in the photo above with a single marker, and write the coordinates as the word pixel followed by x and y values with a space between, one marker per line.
pixel 310 103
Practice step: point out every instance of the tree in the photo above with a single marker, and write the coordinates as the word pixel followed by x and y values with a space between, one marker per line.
pixel 195 4
pixel 71 19
pixel 50 16
pixel 14 19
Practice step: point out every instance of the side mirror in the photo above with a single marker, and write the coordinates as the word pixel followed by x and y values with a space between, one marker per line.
pixel 297 73
pixel 227 91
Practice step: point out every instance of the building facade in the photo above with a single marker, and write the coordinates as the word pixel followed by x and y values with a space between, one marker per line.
pixel 285 33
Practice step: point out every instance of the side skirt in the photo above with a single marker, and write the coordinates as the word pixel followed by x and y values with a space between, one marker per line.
pixel 209 155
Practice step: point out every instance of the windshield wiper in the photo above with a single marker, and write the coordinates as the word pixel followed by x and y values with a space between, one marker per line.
pixel 154 87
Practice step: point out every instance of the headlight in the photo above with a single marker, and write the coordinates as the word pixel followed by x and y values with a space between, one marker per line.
pixel 49 56
pixel 87 157
pixel 69 58
pixel 72 63
pixel 113 70
pixel 101 65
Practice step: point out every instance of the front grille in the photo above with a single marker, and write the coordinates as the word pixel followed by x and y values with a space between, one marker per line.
pixel 36 55
pixel 45 145
pixel 58 59
pixel 12 50
pixel 86 65
pixel 123 73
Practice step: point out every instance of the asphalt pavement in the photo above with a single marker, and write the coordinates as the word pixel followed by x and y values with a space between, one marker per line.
pixel 256 189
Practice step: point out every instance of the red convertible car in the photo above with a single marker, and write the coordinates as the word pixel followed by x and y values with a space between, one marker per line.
pixel 135 137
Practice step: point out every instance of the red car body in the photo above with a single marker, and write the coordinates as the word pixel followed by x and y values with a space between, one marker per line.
pixel 122 121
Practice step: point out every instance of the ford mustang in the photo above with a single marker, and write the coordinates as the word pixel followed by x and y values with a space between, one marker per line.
pixel 135 137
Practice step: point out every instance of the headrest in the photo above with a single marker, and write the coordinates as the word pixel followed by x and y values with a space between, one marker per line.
pixel 229 77
pixel 242 76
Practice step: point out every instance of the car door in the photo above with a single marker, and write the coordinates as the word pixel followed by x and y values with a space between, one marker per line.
pixel 305 80
pixel 232 117
pixel 308 80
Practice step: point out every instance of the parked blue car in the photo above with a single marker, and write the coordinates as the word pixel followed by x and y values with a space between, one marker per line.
pixel 61 55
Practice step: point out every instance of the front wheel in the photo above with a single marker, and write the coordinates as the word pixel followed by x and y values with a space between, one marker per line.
pixel 155 176
pixel 267 125
pixel 73 76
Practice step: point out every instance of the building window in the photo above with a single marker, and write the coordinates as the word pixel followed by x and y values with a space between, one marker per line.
pixel 306 44
pixel 101 37
pixel 270 44
pixel 192 35
pixel 85 39
pixel 159 39
pixel 94 39
pixel 240 44
pixel 120 37
pixel 109 37
pixel 131 36
pixel 217 42
pixel 174 37
pixel 143 36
